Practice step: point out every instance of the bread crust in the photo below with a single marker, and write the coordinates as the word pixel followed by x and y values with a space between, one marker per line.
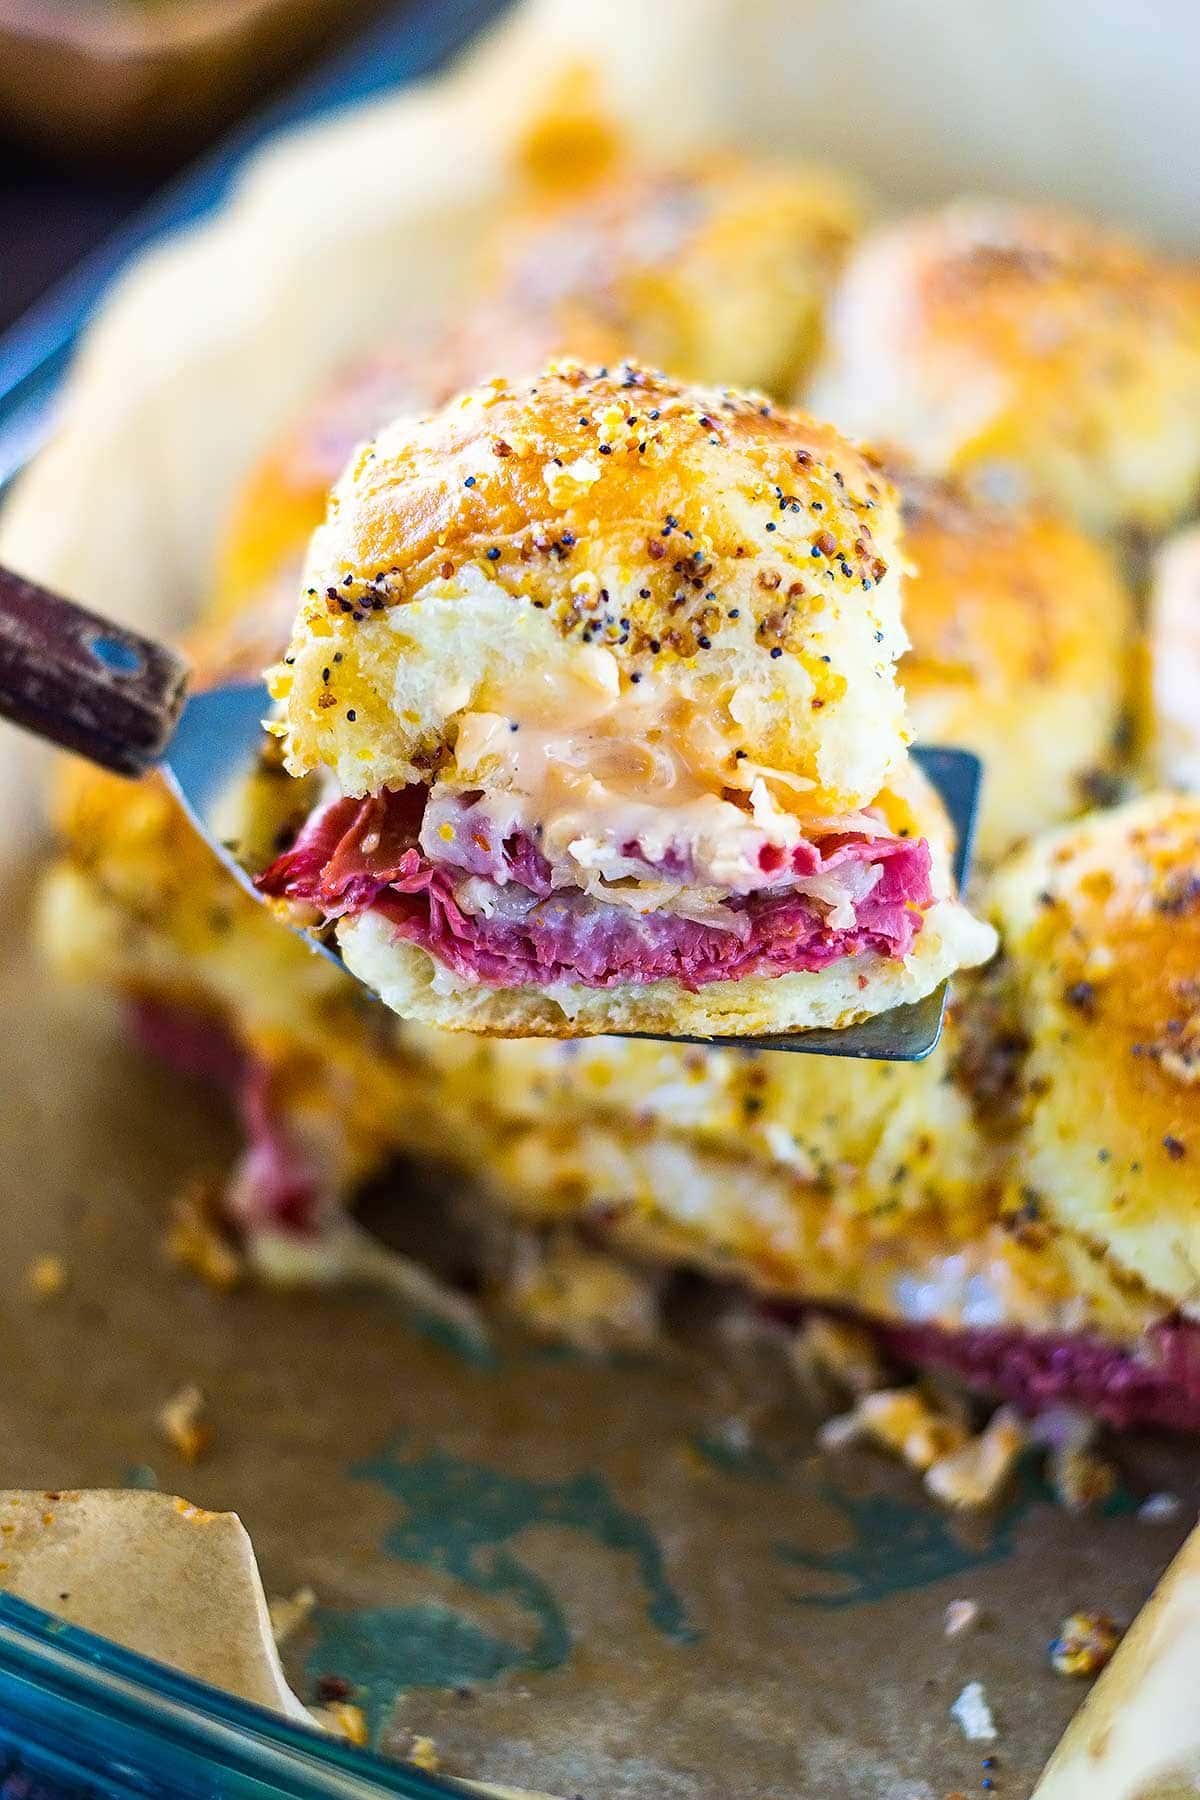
pixel 744 557
pixel 1020 630
pixel 1028 351
pixel 716 268
pixel 1101 924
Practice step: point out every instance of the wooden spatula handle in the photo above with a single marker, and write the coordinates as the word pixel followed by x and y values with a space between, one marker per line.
pixel 72 677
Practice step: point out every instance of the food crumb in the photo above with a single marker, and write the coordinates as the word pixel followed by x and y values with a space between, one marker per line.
pixel 975 1475
pixel 960 1616
pixel 47 1278
pixel 974 1715
pixel 900 1419
pixel 288 1616
pixel 1085 1643
pixel 180 1423
pixel 331 1688
pixel 424 1755
pixel 570 1294
pixel 838 1432
pixel 347 1720
pixel 1159 1509
pixel 195 1241
pixel 1081 1480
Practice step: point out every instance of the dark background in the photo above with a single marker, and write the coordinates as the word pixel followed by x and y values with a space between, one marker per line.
pixel 51 213
pixel 57 204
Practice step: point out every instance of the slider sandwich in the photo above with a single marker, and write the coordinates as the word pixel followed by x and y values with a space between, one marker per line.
pixel 1030 353
pixel 597 674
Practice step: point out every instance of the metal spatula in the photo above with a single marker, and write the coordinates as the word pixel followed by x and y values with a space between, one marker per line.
pixel 122 701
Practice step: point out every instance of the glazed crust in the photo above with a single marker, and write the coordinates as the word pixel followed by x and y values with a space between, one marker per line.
pixel 716 269
pixel 1028 351
pixel 284 498
pixel 1101 925
pixel 1020 628
pixel 745 557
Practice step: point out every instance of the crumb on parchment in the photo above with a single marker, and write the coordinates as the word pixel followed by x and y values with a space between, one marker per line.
pixel 424 1755
pixel 1085 1643
pixel 421 1752
pixel 846 1354
pixel 970 1471
pixel 195 1240
pixel 900 1419
pixel 976 1474
pixel 960 1616
pixel 1159 1509
pixel 343 1719
pixel 567 1292
pixel 181 1425
pixel 47 1277
pixel 288 1616
pixel 333 1687
pixel 1081 1480
pixel 974 1715
pixel 843 1429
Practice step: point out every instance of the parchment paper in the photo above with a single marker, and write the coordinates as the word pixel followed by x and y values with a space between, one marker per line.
pixel 153 1572
pixel 625 1579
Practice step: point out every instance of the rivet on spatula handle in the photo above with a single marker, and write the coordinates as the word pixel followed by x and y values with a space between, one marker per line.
pixel 83 682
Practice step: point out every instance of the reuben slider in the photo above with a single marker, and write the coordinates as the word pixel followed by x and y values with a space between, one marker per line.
pixel 600 670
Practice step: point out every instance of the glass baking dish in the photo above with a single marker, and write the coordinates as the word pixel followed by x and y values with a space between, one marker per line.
pixel 80 1716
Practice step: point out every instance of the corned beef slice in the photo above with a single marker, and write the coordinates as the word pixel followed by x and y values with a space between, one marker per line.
pixel 358 854
pixel 1155 1382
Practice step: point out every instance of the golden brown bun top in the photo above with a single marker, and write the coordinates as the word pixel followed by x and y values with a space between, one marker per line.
pixel 740 555
pixel 1101 925
pixel 1020 629
pixel 579 467
pixel 1113 903
pixel 284 498
pixel 716 269
pixel 1032 351
pixel 1002 598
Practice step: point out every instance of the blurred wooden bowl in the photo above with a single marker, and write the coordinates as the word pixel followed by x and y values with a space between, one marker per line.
pixel 109 77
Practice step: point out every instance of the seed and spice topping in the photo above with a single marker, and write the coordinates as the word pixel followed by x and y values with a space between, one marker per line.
pixel 536 490
pixel 701 537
